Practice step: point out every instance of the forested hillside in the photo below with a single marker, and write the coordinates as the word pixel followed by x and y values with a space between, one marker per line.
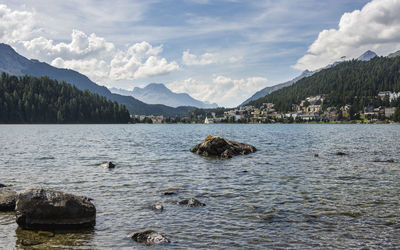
pixel 42 100
pixel 354 82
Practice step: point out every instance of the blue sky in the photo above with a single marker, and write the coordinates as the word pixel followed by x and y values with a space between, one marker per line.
pixel 218 51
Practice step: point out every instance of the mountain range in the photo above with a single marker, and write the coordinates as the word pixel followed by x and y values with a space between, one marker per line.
pixel 15 64
pixel 368 55
pixel 158 93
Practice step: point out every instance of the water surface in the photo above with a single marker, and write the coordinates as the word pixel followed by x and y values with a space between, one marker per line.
pixel 280 197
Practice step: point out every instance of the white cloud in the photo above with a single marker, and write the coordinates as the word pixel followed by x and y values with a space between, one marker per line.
pixel 15 25
pixel 221 89
pixel 98 68
pixel 376 26
pixel 191 59
pixel 81 46
pixel 101 60
pixel 139 61
pixel 207 58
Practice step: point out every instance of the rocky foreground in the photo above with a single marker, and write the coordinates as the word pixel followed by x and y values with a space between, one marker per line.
pixel 215 146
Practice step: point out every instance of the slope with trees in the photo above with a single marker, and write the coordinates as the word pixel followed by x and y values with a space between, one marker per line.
pixel 42 100
pixel 356 83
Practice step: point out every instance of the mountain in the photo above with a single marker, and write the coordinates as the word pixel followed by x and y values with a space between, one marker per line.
pixel 268 90
pixel 397 53
pixel 14 64
pixel 29 99
pixel 158 93
pixel 354 82
pixel 368 55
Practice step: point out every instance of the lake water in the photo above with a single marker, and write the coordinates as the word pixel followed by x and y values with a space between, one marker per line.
pixel 279 197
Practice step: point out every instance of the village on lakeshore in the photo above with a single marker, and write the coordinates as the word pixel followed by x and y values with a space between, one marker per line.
pixel 309 110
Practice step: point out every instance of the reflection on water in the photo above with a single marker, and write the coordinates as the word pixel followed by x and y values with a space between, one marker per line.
pixel 54 239
pixel 280 197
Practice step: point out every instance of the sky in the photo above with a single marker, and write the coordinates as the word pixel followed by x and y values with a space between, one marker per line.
pixel 220 51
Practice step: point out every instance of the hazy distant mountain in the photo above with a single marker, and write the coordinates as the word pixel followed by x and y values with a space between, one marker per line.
pixel 158 93
pixel 268 90
pixel 14 64
pixel 395 54
pixel 368 55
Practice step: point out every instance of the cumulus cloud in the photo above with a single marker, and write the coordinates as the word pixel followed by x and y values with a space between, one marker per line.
pixel 206 58
pixel 81 46
pixel 97 69
pixel 15 25
pixel 101 60
pixel 221 89
pixel 139 61
pixel 376 26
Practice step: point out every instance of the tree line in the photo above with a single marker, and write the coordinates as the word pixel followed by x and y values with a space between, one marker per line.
pixel 353 82
pixel 29 99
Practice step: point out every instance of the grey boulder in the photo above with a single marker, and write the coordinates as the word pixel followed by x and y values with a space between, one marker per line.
pixel 149 237
pixel 8 198
pixel 39 208
pixel 216 146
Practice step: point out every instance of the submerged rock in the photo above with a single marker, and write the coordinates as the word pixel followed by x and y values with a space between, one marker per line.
pixel 157 207
pixel 191 202
pixel 107 165
pixel 388 161
pixel 219 147
pixel 8 198
pixel 149 237
pixel 39 208
pixel 169 193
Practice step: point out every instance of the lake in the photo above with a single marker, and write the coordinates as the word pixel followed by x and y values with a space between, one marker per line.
pixel 282 196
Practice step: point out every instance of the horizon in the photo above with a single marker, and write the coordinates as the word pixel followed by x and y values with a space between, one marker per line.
pixel 220 52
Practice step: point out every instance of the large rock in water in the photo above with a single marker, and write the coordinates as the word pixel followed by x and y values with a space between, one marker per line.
pixel 219 147
pixel 39 208
pixel 8 198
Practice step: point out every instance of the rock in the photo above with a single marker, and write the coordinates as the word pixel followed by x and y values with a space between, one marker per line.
pixel 157 207
pixel 28 243
pixel 149 237
pixel 46 234
pixel 108 165
pixel 388 161
pixel 169 193
pixel 191 202
pixel 316 155
pixel 8 198
pixel 39 208
pixel 340 153
pixel 219 147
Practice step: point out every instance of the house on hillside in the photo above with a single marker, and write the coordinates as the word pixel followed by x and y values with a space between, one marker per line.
pixel 389 112
pixel 208 120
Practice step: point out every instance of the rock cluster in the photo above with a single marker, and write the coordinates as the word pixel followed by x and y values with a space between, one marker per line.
pixel 216 146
